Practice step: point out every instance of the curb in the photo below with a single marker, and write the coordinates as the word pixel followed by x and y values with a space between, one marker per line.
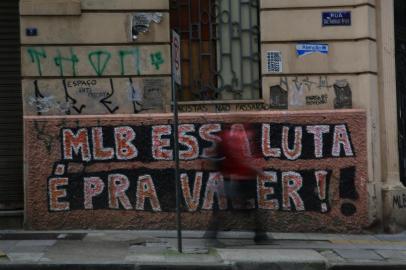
pixel 114 267
pixel 369 266
pixel 31 266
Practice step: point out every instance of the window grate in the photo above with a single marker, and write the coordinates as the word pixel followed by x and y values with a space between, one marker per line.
pixel 220 48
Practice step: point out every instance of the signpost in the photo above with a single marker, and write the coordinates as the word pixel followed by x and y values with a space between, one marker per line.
pixel 176 82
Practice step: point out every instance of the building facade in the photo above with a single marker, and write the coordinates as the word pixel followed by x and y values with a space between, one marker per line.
pixel 320 82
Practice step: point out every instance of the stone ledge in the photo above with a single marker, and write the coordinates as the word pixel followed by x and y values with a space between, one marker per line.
pixel 312 3
pixel 125 5
pixel 306 24
pixel 50 7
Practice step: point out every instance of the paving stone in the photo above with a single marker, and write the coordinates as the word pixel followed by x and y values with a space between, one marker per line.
pixel 358 254
pixel 24 256
pixel 268 255
pixel 355 237
pixel 94 235
pixel 323 236
pixel 119 237
pixel 392 237
pixel 173 257
pixel 331 256
pixel 301 244
pixel 392 254
pixel 35 243
pixel 145 258
pixel 73 251
pixel 28 249
pixel 195 250
pixel 235 243
pixel 371 246
pixel 6 245
pixel 290 236
pixel 147 250
pixel 186 243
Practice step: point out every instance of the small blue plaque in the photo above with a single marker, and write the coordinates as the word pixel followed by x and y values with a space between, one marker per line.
pixel 31 32
pixel 336 18
pixel 303 49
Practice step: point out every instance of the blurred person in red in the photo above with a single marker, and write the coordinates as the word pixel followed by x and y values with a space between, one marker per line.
pixel 240 171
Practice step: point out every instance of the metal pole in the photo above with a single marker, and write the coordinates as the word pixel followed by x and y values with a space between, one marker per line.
pixel 176 153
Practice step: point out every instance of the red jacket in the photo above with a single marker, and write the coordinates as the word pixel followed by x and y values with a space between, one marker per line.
pixel 238 160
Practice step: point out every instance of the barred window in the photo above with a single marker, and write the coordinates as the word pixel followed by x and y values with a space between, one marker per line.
pixel 220 48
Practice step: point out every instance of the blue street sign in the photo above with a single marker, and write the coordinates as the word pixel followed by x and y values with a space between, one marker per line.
pixel 31 32
pixel 336 18
pixel 305 49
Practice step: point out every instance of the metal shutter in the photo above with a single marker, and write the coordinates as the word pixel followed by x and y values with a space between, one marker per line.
pixel 11 142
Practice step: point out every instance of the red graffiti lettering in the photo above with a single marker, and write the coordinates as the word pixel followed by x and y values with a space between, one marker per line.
pixel 189 141
pixel 56 193
pixel 321 179
pixel 267 150
pixel 341 138
pixel 99 151
pixel 192 202
pixel 75 143
pixel 158 143
pixel 118 185
pixel 265 191
pixel 318 132
pixel 291 183
pixel 125 150
pixel 205 133
pixel 93 186
pixel 215 186
pixel 146 190
pixel 296 151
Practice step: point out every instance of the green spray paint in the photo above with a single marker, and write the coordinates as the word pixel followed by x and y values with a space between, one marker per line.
pixel 137 63
pixel 100 63
pixel 73 59
pixel 35 57
pixel 157 60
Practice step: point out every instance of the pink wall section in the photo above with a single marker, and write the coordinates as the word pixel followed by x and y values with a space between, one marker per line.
pixel 115 172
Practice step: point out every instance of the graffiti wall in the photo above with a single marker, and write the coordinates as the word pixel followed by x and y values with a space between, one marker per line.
pixel 85 96
pixel 95 60
pixel 310 92
pixel 117 172
pixel 95 80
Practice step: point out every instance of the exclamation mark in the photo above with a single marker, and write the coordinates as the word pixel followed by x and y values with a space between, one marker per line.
pixel 321 179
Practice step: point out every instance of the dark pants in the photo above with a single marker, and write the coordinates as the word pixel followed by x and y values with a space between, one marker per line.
pixel 241 195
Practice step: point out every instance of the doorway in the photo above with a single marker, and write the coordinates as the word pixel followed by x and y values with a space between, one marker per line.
pixel 400 56
pixel 11 127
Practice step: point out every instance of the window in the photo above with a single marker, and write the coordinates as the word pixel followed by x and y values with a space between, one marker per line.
pixel 220 48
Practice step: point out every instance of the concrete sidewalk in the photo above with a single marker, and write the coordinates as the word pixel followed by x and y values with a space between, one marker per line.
pixel 86 250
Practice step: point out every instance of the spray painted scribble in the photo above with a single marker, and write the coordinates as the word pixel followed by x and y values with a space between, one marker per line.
pixel 95 61
pixel 310 91
pixel 95 96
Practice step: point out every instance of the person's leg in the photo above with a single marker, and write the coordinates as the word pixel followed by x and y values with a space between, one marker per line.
pixel 255 214
pixel 215 222
pixel 261 236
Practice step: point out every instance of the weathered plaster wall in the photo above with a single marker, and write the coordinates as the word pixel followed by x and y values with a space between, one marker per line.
pixel 116 172
pixel 82 67
pixel 393 191
pixel 84 61
pixel 346 76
